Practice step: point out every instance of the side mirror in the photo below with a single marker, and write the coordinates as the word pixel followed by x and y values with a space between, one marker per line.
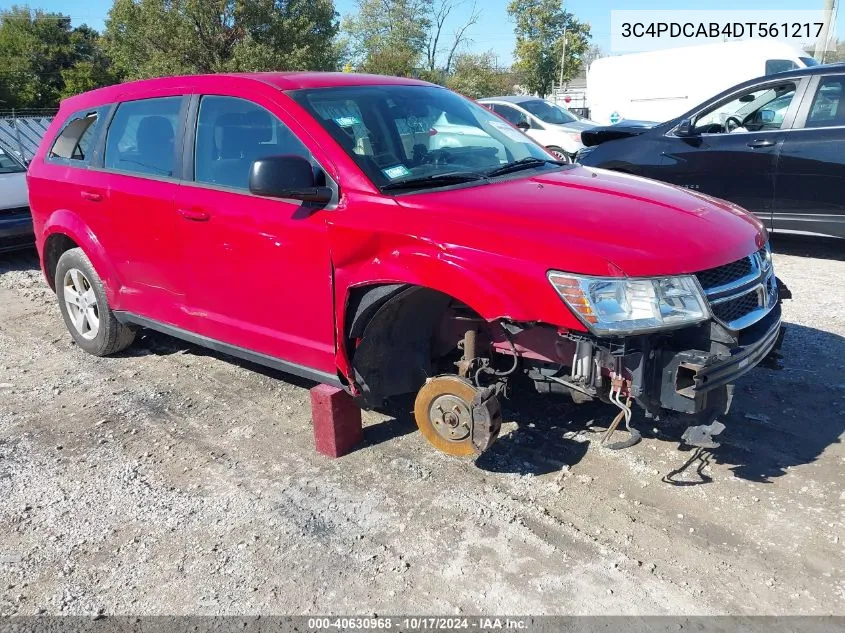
pixel 524 125
pixel 289 177
pixel 767 116
pixel 684 128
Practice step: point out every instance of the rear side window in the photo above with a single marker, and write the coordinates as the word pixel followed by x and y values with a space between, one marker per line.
pixel 231 134
pixel 142 135
pixel 75 142
pixel 827 108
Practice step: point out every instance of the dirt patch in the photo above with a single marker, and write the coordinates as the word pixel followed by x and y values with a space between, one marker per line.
pixel 173 480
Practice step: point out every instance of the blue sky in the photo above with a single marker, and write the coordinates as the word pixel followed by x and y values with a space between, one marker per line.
pixel 494 31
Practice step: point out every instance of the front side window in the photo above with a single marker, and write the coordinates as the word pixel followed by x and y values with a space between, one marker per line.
pixel 142 135
pixel 422 134
pixel 231 134
pixel 75 142
pixel 827 108
pixel 509 113
pixel 548 112
pixel 9 164
pixel 754 111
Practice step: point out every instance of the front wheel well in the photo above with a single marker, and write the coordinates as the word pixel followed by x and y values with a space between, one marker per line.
pixel 395 333
pixel 55 246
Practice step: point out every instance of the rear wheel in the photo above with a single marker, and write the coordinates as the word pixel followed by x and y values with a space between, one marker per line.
pixel 85 310
pixel 558 153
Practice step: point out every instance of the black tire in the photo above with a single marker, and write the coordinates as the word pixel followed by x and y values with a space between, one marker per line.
pixel 559 153
pixel 110 336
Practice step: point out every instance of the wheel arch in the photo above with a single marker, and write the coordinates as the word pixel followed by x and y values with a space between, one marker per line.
pixel 65 230
pixel 388 335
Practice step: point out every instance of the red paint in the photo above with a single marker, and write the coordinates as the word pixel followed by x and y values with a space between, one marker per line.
pixel 337 421
pixel 254 273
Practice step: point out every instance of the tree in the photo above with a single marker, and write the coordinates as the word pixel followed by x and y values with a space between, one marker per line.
pixel 147 38
pixel 388 36
pixel 540 26
pixel 440 15
pixel 476 76
pixel 45 59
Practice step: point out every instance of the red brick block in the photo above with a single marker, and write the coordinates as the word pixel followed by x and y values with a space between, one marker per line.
pixel 337 421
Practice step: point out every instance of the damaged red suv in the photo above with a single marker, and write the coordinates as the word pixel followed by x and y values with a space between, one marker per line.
pixel 388 236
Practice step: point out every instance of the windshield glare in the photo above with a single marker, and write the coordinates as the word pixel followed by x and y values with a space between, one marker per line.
pixel 398 133
pixel 9 165
pixel 548 112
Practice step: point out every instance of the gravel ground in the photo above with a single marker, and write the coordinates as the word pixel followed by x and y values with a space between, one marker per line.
pixel 170 480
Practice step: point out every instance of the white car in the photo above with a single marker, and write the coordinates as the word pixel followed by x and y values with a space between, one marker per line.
pixel 15 219
pixel 554 127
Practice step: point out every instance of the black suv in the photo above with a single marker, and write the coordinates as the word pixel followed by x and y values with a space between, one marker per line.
pixel 773 145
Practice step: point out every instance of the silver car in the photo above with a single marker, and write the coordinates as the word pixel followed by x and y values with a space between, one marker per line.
pixel 552 126
pixel 15 219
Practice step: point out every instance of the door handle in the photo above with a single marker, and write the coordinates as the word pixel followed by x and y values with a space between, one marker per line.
pixel 197 215
pixel 761 143
pixel 93 196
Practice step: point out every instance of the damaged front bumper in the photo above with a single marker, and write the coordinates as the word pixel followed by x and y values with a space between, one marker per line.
pixel 687 371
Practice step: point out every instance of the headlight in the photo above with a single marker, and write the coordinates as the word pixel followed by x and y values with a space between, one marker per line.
pixel 611 306
pixel 766 257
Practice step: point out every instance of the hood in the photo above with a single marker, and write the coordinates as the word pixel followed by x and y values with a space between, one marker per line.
pixel 13 191
pixel 623 129
pixel 574 126
pixel 591 221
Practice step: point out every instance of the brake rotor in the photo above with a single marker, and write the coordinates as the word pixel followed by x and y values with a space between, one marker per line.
pixel 448 409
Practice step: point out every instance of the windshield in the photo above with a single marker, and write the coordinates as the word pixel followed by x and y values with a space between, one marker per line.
pixel 548 112
pixel 9 164
pixel 402 133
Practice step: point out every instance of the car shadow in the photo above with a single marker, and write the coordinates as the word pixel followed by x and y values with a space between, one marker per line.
pixel 807 246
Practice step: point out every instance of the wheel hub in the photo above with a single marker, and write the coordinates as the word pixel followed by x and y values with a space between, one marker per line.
pixel 457 418
pixel 451 416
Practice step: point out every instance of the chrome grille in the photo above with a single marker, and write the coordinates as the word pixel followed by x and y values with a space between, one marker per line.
pixel 726 274
pixel 732 310
pixel 742 292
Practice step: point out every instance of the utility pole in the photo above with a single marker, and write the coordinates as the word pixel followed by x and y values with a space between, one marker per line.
pixel 562 57
pixel 824 36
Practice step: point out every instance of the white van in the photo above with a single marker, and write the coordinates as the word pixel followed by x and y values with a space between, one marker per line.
pixel 660 85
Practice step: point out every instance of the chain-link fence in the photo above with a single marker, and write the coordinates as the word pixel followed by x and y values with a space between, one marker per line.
pixel 22 130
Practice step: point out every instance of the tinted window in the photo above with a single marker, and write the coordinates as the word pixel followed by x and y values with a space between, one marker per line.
pixel 827 108
pixel 779 66
pixel 76 139
pixel 8 164
pixel 231 134
pixel 141 137
pixel 548 112
pixel 509 113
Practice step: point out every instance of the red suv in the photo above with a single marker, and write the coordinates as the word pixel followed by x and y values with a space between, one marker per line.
pixel 322 225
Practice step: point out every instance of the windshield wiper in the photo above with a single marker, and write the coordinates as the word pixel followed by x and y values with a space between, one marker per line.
pixel 434 180
pixel 519 165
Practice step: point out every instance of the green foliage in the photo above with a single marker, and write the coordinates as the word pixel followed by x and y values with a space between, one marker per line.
pixel 388 37
pixel 475 75
pixel 149 38
pixel 539 39
pixel 44 59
